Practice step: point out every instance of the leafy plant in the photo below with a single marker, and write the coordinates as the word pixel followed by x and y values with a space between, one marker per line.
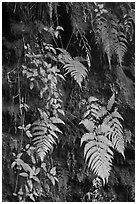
pixel 44 135
pixel 73 66
pixel 105 133
pixel 110 34
pixel 29 175
pixel 46 78
pixel 41 137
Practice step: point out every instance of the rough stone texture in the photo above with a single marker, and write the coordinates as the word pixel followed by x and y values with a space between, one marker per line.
pixel 127 89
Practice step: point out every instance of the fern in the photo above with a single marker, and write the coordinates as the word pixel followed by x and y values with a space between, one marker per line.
pixel 116 134
pixel 105 133
pixel 120 47
pixel 73 66
pixel 129 24
pixel 98 153
pixel 111 102
pixel 45 135
pixel 109 33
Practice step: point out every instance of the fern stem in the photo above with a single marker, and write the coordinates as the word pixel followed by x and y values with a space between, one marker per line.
pixel 69 40
pixel 20 108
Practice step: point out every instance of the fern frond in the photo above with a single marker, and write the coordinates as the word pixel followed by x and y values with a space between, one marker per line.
pixel 116 133
pixel 111 102
pixel 108 32
pixel 129 24
pixel 44 136
pixel 98 154
pixel 77 70
pixel 104 35
pixel 105 133
pixel 120 46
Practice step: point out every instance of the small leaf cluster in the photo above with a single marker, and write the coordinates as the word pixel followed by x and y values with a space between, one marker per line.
pixel 45 76
pixel 29 175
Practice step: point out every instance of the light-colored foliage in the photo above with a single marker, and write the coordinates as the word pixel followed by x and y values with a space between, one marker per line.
pixel 110 35
pixel 105 133
pixel 73 66
pixel 44 136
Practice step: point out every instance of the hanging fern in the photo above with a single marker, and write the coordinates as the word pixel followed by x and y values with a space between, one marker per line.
pixel 110 34
pixel 120 46
pixel 105 133
pixel 73 66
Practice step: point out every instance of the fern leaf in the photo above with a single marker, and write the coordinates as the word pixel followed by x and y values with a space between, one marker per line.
pixel 46 144
pixel 127 136
pixel 111 102
pixel 129 24
pixel 39 133
pixel 57 120
pixel 54 128
pixel 64 57
pixel 116 114
pixel 73 66
pixel 87 147
pixel 104 129
pixel 117 123
pixel 108 32
pixel 121 46
pixel 92 154
pixel 49 138
pixel 77 70
pixel 92 111
pixel 104 35
pixel 115 135
pixel 86 114
pixel 86 137
pixel 118 141
pixel 53 133
pixel 44 136
pixel 97 154
pixel 105 134
pixel 89 125
pixel 112 119
pixel 92 99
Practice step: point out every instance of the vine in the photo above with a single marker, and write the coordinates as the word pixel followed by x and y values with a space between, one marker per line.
pixel 49 118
